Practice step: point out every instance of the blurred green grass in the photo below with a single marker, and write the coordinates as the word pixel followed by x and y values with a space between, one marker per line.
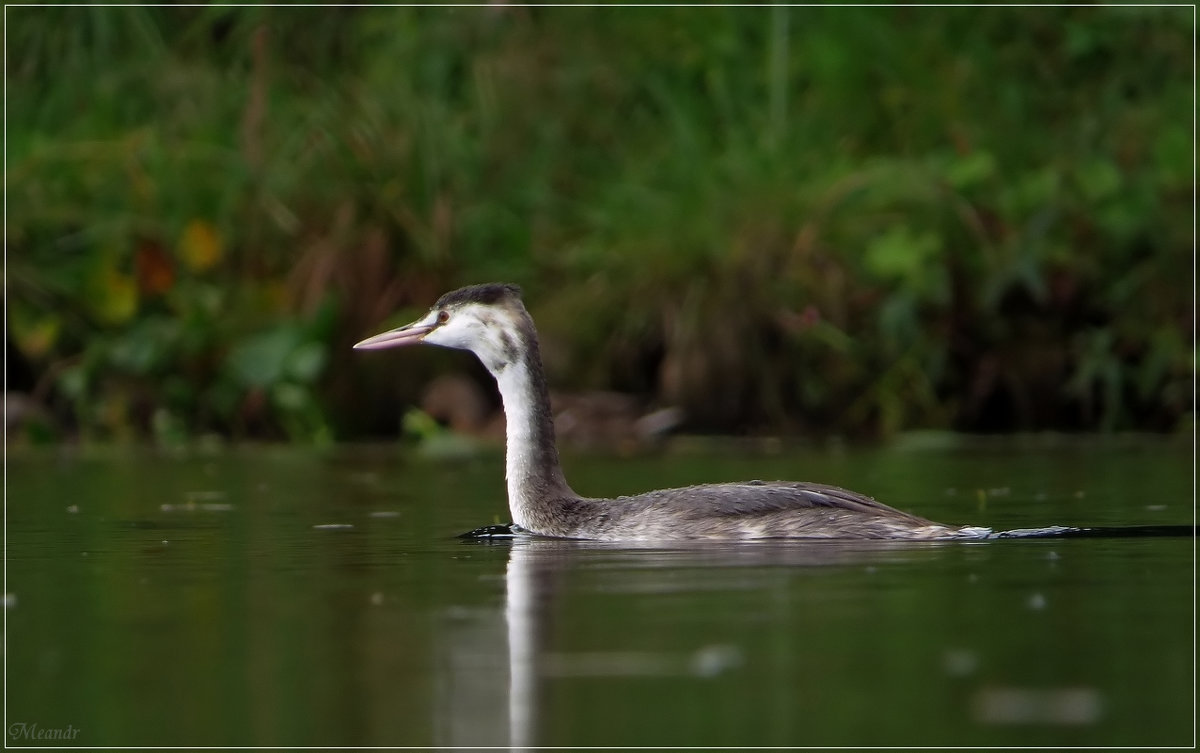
pixel 819 219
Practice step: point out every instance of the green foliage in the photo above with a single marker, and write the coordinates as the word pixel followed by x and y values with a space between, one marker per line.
pixel 859 219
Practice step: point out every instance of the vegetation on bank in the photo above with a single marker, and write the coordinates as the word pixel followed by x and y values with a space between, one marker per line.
pixel 854 220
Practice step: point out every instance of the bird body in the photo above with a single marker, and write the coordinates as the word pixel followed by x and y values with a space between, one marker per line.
pixel 491 321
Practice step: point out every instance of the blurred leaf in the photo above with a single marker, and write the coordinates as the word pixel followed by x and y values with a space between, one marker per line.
pixel 1033 190
pixel 113 295
pixel 291 397
pixel 261 360
pixel 971 169
pixel 898 321
pixel 419 424
pixel 73 382
pixel 1098 179
pixel 200 246
pixel 145 347
pixel 155 271
pixel 305 363
pixel 900 253
pixel 910 259
pixel 34 334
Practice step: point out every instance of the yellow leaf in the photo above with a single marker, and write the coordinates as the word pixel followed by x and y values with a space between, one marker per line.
pixel 33 334
pixel 114 296
pixel 200 245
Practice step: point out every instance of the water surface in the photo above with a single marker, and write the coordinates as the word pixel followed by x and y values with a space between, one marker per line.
pixel 298 597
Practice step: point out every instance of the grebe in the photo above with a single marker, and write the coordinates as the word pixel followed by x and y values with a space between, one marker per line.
pixel 491 321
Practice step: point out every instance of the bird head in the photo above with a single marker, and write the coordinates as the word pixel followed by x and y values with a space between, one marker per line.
pixel 488 320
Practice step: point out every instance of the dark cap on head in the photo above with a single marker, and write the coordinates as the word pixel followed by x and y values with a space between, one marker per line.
pixel 487 294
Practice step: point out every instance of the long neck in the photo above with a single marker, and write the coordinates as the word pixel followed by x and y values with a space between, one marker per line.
pixel 535 478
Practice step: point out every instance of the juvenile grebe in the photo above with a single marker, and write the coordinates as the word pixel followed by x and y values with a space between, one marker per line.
pixel 491 322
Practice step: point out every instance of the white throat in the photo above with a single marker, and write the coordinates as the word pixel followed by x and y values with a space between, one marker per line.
pixel 521 453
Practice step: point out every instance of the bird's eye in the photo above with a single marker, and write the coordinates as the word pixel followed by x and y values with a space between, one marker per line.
pixel 443 317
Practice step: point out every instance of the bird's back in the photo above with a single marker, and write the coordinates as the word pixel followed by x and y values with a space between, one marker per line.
pixel 750 510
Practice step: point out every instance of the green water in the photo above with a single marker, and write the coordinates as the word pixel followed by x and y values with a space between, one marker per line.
pixel 288 597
